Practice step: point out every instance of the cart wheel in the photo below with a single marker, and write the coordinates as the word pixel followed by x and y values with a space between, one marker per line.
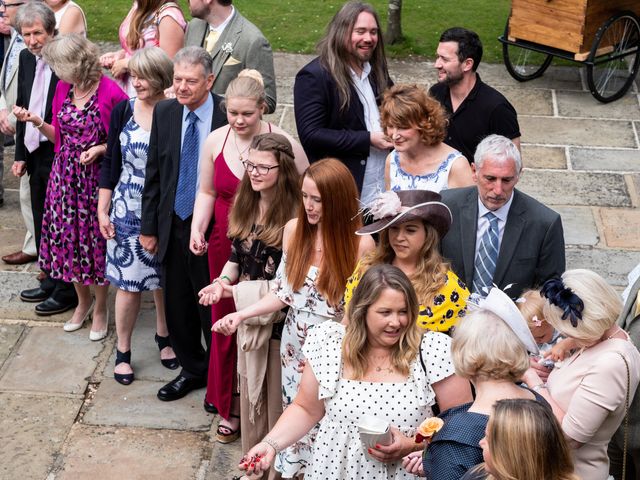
pixel 521 63
pixel 614 58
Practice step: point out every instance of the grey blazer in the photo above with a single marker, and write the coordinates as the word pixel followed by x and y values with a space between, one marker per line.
pixel 532 247
pixel 241 45
pixel 9 93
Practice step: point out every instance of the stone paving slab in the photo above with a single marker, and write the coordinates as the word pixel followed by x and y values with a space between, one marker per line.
pixel 107 453
pixel 224 461
pixel 577 132
pixel 11 284
pixel 576 188
pixel 556 77
pixel 534 156
pixel 582 104
pixel 613 265
pixel 579 225
pixel 591 159
pixel 51 360
pixel 32 431
pixel 530 101
pixel 136 405
pixel 621 227
pixel 9 335
pixel 8 219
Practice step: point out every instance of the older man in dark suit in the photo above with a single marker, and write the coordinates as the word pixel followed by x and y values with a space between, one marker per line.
pixel 178 131
pixel 500 235
pixel 234 44
pixel 336 97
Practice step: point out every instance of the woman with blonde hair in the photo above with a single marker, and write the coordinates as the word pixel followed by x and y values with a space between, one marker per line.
pixel 417 124
pixel 266 200
pixel 589 393
pixel 489 349
pixel 523 441
pixel 149 23
pixel 72 248
pixel 130 268
pixel 320 251
pixel 379 365
pixel 222 167
pixel 411 224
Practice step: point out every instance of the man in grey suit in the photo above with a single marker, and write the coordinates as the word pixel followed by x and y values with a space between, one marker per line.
pixel 500 235
pixel 8 94
pixel 233 42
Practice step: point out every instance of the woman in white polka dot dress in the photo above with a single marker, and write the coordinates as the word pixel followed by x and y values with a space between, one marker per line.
pixel 370 367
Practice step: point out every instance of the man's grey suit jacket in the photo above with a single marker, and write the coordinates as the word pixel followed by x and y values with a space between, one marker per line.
pixel 241 45
pixel 532 248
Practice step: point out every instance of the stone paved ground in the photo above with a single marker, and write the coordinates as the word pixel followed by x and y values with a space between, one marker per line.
pixel 62 416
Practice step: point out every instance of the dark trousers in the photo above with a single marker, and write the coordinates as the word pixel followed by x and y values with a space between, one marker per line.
pixel 39 163
pixel 183 276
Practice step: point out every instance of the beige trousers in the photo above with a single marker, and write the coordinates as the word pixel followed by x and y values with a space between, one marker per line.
pixel 270 410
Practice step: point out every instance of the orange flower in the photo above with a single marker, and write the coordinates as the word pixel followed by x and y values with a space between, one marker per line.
pixel 428 428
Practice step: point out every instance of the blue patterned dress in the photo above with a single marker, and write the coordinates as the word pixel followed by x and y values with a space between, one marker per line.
pixel 129 266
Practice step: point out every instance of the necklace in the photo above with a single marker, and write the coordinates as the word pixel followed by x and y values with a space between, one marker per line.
pixel 387 370
pixel 80 97
pixel 235 141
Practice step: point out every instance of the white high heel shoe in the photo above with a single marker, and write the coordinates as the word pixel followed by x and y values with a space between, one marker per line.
pixel 101 334
pixel 72 327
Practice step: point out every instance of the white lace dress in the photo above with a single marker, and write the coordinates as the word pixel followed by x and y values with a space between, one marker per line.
pixel 338 452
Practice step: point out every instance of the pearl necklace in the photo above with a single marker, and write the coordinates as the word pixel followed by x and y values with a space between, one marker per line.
pixel 80 97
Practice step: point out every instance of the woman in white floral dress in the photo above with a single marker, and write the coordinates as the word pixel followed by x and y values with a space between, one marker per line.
pixel 320 252
pixel 379 365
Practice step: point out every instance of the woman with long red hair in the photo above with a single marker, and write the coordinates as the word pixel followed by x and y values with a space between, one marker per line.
pixel 321 250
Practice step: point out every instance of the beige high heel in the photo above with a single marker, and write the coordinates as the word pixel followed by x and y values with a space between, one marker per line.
pixel 99 335
pixel 72 327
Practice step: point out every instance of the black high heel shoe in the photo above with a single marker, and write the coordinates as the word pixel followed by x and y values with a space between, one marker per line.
pixel 163 342
pixel 123 378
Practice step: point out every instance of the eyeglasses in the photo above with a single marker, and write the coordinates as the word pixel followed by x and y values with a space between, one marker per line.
pixel 262 169
pixel 7 5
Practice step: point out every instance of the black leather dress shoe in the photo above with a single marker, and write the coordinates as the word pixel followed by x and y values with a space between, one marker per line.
pixel 179 387
pixel 34 295
pixel 210 407
pixel 51 306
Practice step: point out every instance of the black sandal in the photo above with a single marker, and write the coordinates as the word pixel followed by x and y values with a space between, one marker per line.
pixel 229 435
pixel 123 378
pixel 164 342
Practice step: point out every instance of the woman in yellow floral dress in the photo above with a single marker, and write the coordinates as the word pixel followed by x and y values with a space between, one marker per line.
pixel 411 224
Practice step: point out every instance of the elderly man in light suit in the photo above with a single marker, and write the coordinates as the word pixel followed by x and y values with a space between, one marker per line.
pixel 8 93
pixel 500 235
pixel 233 42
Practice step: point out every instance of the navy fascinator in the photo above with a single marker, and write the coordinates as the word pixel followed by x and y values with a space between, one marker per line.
pixel 562 297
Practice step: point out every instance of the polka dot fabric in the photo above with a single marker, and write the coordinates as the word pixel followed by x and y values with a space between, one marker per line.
pixel 338 452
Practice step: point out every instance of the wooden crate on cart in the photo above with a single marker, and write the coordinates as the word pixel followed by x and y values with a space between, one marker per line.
pixel 568 25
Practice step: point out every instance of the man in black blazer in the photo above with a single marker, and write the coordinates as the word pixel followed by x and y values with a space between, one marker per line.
pixel 36 24
pixel 166 228
pixel 336 97
pixel 529 235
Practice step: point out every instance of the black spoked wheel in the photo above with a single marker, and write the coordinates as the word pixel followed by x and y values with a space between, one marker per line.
pixel 614 57
pixel 522 63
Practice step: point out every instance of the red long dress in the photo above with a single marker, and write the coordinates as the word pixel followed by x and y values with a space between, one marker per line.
pixel 222 374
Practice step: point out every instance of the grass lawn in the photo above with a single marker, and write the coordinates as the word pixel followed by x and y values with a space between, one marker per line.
pixel 296 25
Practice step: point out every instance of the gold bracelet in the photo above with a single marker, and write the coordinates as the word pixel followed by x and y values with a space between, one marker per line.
pixel 41 124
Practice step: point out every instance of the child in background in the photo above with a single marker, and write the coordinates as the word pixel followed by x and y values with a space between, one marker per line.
pixel 553 347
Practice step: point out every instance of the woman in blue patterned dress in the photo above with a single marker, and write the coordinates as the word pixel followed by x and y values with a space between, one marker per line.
pixel 129 267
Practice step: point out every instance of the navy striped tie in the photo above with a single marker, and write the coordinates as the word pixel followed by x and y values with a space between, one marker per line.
pixel 487 257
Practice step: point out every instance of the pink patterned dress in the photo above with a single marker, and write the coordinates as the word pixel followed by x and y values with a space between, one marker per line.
pixel 72 248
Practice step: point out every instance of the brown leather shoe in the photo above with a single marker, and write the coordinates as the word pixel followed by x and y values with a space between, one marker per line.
pixel 18 258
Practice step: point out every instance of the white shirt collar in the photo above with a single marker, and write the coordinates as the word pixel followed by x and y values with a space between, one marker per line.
pixel 220 28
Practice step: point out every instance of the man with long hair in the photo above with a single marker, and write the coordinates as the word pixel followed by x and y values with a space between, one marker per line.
pixel 336 97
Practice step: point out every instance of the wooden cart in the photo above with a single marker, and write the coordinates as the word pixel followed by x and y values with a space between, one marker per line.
pixel 604 35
